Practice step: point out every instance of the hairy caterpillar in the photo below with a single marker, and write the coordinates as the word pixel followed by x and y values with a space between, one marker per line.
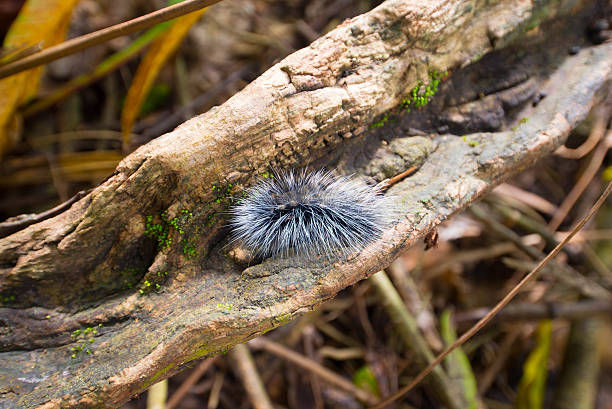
pixel 310 214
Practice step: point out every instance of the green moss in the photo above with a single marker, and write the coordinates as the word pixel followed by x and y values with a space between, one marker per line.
pixel 157 375
pixel 153 282
pixel 158 231
pixel 418 97
pixel 422 94
pixel 83 340
pixel 283 319
pixel 190 242
pixel 182 224
pixel 130 276
pixel 224 194
pixel 200 353
pixel 161 231
pixel 472 144
pixel 190 250
pixel 381 122
pixel 225 306
pixel 223 198
pixel 523 120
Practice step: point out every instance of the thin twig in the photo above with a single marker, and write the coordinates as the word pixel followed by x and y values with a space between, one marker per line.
pixel 98 37
pixel 500 305
pixel 194 376
pixel 387 183
pixel 530 199
pixel 501 356
pixel 534 312
pixel 597 132
pixel 532 225
pixel 562 271
pixel 314 367
pixel 439 383
pixel 14 224
pixel 244 365
pixel 595 163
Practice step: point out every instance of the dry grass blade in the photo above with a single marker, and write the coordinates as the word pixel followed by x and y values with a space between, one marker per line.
pixel 38 22
pixel 160 50
pixel 98 37
pixel 500 305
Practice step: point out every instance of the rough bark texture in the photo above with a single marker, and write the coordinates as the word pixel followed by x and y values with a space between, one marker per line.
pixel 140 269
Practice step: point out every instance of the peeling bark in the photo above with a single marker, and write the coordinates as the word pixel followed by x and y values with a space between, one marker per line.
pixel 140 265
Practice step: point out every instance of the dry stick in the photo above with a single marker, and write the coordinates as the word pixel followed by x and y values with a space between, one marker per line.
pixel 305 363
pixel 387 183
pixel 563 272
pixel 597 132
pixel 528 198
pixel 194 376
pixel 480 324
pixel 156 397
pixel 406 326
pixel 519 311
pixel 590 172
pixel 532 225
pixel 578 380
pixel 215 391
pixel 98 37
pixel 501 356
pixel 245 366
pixel 17 223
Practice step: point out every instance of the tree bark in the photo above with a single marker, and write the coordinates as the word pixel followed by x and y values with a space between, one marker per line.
pixel 135 280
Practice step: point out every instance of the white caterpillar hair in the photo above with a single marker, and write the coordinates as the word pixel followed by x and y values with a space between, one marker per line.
pixel 309 213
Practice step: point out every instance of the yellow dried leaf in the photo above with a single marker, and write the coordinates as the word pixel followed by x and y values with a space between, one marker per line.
pixel 38 21
pixel 158 53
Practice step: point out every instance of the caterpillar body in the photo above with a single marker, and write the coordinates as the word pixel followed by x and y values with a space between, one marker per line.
pixel 309 213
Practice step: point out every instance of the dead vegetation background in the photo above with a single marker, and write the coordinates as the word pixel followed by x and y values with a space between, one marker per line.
pixel 550 348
